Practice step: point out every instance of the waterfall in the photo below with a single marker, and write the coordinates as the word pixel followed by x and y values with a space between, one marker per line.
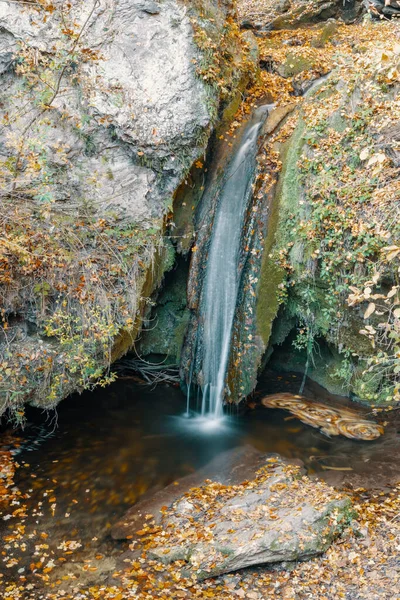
pixel 223 273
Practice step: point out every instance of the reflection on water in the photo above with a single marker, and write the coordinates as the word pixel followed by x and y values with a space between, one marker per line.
pixel 112 446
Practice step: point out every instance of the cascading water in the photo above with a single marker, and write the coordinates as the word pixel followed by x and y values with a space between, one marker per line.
pixel 222 278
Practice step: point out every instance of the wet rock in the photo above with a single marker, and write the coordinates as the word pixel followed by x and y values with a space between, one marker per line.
pixel 351 10
pixel 303 82
pixel 327 33
pixel 328 366
pixel 257 20
pixel 283 6
pixel 274 516
pixel 304 13
pixel 229 467
pixel 249 24
pixel 294 65
pixel 164 332
pixel 286 14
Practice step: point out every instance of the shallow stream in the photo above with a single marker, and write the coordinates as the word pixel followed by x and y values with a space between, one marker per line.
pixel 85 465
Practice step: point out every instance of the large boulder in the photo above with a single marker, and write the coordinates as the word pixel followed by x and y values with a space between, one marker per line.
pixel 268 15
pixel 276 515
pixel 106 106
pixel 230 468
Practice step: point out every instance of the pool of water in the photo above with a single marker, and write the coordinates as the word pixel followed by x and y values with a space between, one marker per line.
pixel 82 467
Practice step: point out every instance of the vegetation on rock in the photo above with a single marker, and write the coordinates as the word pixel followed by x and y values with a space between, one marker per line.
pixel 74 272
pixel 337 235
pixel 78 269
pixel 86 186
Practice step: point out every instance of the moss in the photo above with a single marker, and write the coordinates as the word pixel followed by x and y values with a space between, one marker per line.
pixel 271 277
pixel 185 203
pixel 285 202
pixel 326 244
pixel 167 325
pixel 371 387
pixel 326 34
pixel 290 189
pixel 295 64
pixel 126 337
pixel 326 532
pixel 228 59
pixel 167 256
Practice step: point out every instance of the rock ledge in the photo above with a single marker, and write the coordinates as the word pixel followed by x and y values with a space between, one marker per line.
pixel 278 515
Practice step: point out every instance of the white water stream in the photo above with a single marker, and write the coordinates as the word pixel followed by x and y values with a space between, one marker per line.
pixel 222 279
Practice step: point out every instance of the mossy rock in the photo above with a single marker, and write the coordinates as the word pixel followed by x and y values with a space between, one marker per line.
pixel 322 268
pixel 326 34
pixel 295 64
pixel 166 327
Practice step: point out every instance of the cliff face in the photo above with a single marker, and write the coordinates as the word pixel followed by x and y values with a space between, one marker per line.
pixel 107 109
pixel 105 106
pixel 336 245
pixel 320 293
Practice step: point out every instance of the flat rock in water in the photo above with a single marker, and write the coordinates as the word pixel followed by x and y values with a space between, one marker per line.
pixel 230 467
pixel 277 515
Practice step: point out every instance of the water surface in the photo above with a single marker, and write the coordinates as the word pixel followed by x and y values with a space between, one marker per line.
pixel 102 451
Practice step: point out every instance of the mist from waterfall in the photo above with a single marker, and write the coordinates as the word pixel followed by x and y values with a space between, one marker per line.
pixel 223 273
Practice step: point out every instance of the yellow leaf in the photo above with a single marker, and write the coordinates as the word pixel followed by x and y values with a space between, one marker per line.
pixel 370 310
pixel 392 254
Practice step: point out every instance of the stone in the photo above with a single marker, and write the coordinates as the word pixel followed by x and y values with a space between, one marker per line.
pixel 265 15
pixel 282 6
pixel 275 516
pixel 164 332
pixel 138 117
pixel 304 13
pixel 249 24
pixel 341 352
pixel 326 35
pixel 294 65
pixel 149 7
pixel 231 467
pixel 388 9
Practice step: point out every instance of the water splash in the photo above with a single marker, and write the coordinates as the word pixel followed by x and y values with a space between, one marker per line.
pixel 223 273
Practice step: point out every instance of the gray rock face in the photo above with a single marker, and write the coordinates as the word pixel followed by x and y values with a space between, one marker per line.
pixel 143 106
pixel 275 516
pixel 106 98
